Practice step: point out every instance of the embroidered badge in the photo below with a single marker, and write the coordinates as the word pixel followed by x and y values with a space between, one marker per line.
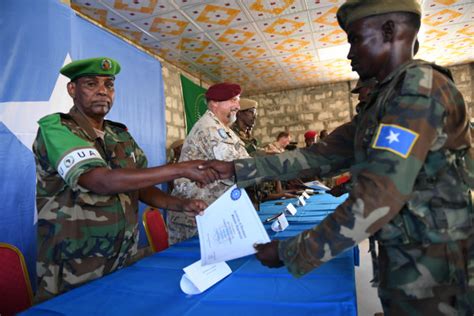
pixel 396 139
pixel 222 133
pixel 106 64
pixel 235 194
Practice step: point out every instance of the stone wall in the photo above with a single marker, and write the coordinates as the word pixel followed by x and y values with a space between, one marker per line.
pixel 325 106
pixel 174 103
pixel 320 107
pixel 298 110
pixel 464 78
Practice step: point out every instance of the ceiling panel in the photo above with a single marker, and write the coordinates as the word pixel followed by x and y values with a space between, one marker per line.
pixel 268 44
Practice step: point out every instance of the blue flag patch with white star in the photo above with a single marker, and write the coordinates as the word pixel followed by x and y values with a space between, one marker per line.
pixel 396 139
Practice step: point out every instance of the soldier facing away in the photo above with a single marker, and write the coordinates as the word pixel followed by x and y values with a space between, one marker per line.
pixel 410 154
pixel 91 174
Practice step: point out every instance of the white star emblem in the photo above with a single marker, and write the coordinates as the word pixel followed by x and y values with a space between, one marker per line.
pixel 393 137
pixel 21 117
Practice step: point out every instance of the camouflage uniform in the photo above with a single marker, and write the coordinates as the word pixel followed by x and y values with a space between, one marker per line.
pixel 417 205
pixel 82 235
pixel 250 142
pixel 208 139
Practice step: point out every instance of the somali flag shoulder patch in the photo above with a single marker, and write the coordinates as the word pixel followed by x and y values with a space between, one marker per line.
pixel 396 139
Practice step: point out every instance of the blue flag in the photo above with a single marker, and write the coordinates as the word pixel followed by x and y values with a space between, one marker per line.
pixel 396 139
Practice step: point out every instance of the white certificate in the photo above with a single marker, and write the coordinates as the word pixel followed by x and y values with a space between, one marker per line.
pixel 229 228
pixel 197 278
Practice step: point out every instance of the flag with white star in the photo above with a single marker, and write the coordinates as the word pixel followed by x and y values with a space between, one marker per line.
pixel 396 139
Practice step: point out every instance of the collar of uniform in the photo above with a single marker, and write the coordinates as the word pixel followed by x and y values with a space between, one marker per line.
pixel 397 71
pixel 82 121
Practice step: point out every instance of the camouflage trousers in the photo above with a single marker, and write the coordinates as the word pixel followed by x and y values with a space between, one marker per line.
pixel 434 279
pixel 442 303
pixel 60 277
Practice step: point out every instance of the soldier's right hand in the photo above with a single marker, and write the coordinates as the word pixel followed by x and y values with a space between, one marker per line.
pixel 203 176
pixel 225 169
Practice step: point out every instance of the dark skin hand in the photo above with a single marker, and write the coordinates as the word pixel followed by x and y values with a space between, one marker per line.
pixel 267 254
pixel 111 181
pixel 225 169
pixel 154 196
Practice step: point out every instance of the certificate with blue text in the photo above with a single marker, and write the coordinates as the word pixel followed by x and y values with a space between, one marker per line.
pixel 229 228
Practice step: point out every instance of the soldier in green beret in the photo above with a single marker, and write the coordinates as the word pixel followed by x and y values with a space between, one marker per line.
pixel 410 154
pixel 91 174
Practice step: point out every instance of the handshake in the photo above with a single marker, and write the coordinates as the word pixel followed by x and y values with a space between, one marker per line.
pixel 206 171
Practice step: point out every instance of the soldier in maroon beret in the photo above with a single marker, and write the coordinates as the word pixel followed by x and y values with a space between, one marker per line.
pixel 210 138
pixel 310 138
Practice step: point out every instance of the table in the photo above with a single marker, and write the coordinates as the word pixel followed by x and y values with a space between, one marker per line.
pixel 151 286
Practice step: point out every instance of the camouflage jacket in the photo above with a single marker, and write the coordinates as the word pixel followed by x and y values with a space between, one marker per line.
pixel 406 150
pixel 250 142
pixel 208 139
pixel 82 235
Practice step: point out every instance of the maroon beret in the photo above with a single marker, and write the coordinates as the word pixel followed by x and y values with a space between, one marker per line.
pixel 223 91
pixel 310 134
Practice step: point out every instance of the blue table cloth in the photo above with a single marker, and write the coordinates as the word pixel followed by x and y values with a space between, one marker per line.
pixel 151 286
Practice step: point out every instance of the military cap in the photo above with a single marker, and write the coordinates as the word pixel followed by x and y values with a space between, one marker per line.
pixel 246 104
pixel 310 134
pixel 353 10
pixel 100 66
pixel 223 91
pixel 369 83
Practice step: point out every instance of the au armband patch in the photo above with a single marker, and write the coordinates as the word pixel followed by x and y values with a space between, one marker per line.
pixel 396 139
pixel 72 159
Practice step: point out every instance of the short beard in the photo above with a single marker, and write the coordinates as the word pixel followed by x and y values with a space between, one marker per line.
pixel 232 118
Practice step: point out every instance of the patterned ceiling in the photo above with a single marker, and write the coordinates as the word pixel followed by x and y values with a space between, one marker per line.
pixel 268 44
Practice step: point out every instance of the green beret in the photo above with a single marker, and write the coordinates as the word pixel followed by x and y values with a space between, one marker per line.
pixel 353 10
pixel 100 66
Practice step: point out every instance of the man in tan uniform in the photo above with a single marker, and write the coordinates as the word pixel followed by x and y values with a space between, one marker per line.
pixel 210 138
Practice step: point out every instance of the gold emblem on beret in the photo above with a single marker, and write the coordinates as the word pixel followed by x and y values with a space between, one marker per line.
pixel 106 64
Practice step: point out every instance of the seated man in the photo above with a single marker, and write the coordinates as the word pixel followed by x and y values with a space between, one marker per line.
pixel 91 174
pixel 277 147
pixel 210 138
pixel 310 138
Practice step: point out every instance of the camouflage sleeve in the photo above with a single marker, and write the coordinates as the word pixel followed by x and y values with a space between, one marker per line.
pixel 324 158
pixel 413 124
pixel 69 154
